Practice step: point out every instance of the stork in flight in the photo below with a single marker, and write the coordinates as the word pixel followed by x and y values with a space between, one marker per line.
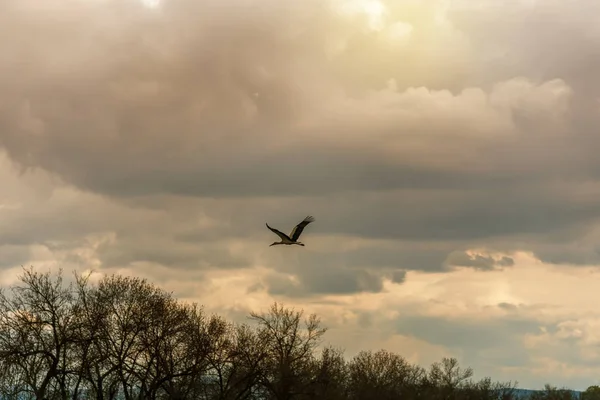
pixel 293 238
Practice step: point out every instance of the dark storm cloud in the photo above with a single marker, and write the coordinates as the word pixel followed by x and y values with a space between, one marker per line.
pixel 398 276
pixel 477 335
pixel 570 254
pixel 314 281
pixel 375 257
pixel 477 261
pixel 508 306
pixel 498 340
pixel 190 111
pixel 172 254
pixel 11 255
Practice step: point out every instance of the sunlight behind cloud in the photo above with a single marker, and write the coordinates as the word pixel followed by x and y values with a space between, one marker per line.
pixel 151 3
pixel 374 10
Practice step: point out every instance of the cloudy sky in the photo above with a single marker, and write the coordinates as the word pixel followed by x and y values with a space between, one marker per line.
pixel 447 149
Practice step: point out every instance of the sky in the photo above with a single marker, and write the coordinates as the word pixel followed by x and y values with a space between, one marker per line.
pixel 447 150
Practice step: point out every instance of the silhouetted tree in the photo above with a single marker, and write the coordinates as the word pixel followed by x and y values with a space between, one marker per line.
pixel 289 350
pixel 99 370
pixel 330 375
pixel 382 375
pixel 552 393
pixel 140 342
pixel 486 389
pixel 124 338
pixel 37 334
pixel 591 393
pixel 447 376
pixel 235 360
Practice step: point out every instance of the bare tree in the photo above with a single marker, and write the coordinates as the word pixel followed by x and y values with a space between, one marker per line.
pixel 124 338
pixel 12 380
pixel 382 375
pixel 119 310
pixel 37 332
pixel 591 393
pixel 289 350
pixel 98 371
pixel 446 377
pixel 139 341
pixel 330 375
pixel 486 389
pixel 551 392
pixel 236 361
pixel 170 349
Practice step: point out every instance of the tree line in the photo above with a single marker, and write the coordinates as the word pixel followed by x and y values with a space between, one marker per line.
pixel 125 338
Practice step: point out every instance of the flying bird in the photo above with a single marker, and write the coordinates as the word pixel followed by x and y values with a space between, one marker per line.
pixel 294 236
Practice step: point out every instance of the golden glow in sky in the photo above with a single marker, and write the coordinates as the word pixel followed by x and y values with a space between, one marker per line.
pixel 373 9
pixel 150 3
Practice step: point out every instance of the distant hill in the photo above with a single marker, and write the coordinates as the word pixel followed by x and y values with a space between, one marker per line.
pixel 527 392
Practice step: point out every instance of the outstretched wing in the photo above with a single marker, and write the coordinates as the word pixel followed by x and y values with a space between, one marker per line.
pixel 300 227
pixel 282 235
